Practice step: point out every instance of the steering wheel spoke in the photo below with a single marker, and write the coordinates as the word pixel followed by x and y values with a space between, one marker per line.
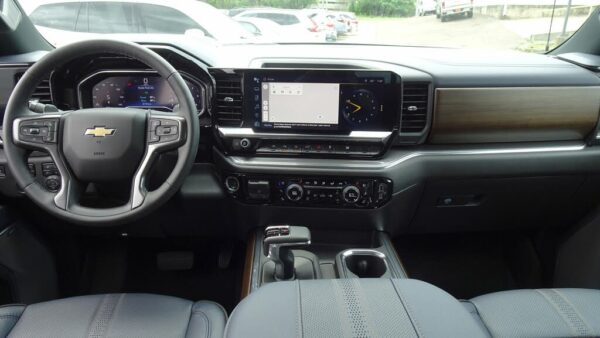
pixel 37 131
pixel 165 132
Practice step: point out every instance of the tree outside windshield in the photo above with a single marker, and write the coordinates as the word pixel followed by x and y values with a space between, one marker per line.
pixel 523 25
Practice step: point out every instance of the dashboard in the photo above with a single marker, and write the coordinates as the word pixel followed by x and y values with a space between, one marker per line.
pixel 389 135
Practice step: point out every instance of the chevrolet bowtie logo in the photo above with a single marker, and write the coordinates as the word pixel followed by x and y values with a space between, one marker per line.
pixel 99 131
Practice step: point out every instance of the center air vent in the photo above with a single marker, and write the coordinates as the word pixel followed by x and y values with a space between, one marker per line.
pixel 229 105
pixel 414 107
pixel 42 92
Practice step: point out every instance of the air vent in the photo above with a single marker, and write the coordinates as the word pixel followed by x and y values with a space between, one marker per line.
pixel 230 100
pixel 414 107
pixel 42 92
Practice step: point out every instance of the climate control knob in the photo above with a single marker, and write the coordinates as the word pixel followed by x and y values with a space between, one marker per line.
pixel 351 194
pixel 294 192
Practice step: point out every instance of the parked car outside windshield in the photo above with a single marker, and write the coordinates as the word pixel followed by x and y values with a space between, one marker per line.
pixel 523 25
pixel 63 21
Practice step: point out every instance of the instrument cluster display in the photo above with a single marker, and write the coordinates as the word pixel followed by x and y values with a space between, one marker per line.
pixel 144 90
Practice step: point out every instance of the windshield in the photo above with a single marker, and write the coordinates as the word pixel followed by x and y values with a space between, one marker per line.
pixel 524 25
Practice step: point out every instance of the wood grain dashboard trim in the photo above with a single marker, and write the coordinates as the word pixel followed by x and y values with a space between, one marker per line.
pixel 514 114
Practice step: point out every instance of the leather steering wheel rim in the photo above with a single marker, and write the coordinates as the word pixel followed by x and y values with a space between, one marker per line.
pixel 17 108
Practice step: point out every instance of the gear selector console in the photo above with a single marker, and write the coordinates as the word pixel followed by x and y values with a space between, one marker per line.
pixel 278 243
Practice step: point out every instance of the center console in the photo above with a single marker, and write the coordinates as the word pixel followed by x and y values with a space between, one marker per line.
pixel 298 113
pixel 283 253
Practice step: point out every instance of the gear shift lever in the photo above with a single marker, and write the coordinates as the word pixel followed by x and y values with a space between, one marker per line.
pixel 278 243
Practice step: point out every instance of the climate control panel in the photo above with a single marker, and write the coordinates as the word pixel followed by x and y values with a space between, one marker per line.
pixel 346 192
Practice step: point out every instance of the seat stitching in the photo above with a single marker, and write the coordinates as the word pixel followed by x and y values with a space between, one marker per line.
pixel 103 315
pixel 299 323
pixel 566 312
pixel 479 316
pixel 413 321
pixel 205 317
pixel 187 329
pixel 222 310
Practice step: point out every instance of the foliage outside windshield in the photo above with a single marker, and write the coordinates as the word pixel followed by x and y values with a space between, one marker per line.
pixel 524 25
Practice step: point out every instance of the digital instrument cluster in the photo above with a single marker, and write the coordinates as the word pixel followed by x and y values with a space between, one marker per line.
pixel 135 90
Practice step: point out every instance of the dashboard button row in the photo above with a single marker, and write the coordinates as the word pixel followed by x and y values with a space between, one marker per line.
pixel 319 148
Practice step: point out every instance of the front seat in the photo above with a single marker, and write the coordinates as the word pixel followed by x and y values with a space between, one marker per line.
pixel 410 308
pixel 114 315
pixel 543 313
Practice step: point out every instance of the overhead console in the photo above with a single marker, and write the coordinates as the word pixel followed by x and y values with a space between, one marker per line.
pixel 308 112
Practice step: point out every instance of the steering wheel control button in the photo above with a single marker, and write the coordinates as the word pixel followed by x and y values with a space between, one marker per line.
pixel 31 168
pixel 38 131
pixel 169 138
pixel 49 169
pixel 351 194
pixel 52 183
pixel 152 137
pixel 51 124
pixel 153 125
pixel 166 130
pixel 163 131
pixel 232 184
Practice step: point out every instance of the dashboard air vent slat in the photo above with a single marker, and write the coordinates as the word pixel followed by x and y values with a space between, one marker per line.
pixel 42 92
pixel 229 100
pixel 414 107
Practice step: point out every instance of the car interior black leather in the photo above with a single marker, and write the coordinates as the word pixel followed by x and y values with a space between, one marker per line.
pixel 114 315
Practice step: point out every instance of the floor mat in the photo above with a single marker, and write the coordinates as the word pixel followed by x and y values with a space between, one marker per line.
pixel 471 265
pixel 131 266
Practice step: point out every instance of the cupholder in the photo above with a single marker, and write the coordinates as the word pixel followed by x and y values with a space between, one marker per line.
pixel 365 263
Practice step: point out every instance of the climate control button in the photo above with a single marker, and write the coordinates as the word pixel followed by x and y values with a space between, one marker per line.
pixel 294 192
pixel 351 194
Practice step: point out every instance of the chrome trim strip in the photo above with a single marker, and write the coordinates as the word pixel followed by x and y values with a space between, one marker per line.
pixel 382 164
pixel 362 252
pixel 365 252
pixel 185 76
pixel 381 136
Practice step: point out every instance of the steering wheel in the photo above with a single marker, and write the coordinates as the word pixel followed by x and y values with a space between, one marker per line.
pixel 108 145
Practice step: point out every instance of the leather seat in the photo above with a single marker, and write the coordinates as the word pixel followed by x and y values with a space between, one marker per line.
pixel 352 308
pixel 114 315
pixel 540 313
pixel 410 308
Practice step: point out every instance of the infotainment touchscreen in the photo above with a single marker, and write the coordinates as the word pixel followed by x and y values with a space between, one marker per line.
pixel 327 100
